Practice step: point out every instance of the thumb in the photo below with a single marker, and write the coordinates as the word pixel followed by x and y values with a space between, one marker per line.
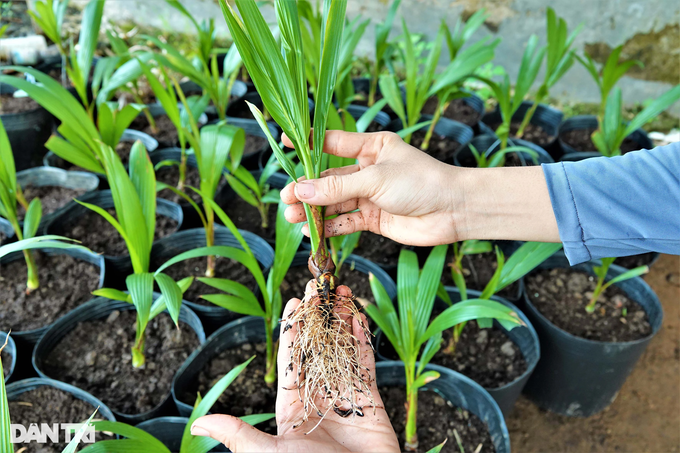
pixel 335 189
pixel 237 435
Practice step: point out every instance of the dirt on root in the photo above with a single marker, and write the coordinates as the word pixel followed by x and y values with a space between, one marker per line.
pixel 478 271
pixel 532 133
pixel 631 262
pixel 438 420
pixel 51 406
pixel 441 148
pixel 224 268
pixel 296 279
pixel 562 295
pixel 247 217
pixel 580 140
pixel 97 234
pixel 65 283
pixel 95 356
pixel 644 416
pixel 52 198
pixel 11 105
pixel 248 394
pixel 379 249
pixel 458 110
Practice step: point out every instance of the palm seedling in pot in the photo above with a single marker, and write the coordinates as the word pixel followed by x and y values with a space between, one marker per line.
pixel 383 48
pixel 409 328
pixel 325 352
pixel 601 274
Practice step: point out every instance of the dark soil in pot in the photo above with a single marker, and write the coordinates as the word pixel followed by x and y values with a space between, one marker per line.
pixel 254 144
pixel 170 176
pixel 97 234
pixel 532 133
pixel 248 394
pixel 247 217
pixel 224 268
pixel 379 249
pixel 437 420
pixel 458 110
pixel 297 277
pixel 52 198
pixel 65 283
pixel 441 148
pixel 580 140
pixel 631 262
pixel 51 406
pixel 96 357
pixel 478 270
pixel 561 296
pixel 165 133
pixel 10 105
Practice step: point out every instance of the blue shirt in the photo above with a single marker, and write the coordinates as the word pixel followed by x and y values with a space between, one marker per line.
pixel 618 206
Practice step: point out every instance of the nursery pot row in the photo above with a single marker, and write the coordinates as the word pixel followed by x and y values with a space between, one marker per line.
pixel 581 377
pixel 489 145
pixel 100 308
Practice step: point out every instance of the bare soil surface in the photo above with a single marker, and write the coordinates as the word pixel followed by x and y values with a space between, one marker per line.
pixel 441 148
pixel 247 217
pixel 580 140
pixel 51 198
pixel 96 357
pixel 165 131
pixel 646 414
pixel 631 262
pixel 10 105
pixel 379 249
pixel 457 110
pixel 532 133
pixel 437 420
pixel 478 271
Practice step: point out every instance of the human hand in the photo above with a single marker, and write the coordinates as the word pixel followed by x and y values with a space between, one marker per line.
pixel 372 433
pixel 397 191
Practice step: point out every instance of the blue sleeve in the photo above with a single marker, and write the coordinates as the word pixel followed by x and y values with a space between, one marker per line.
pixel 618 206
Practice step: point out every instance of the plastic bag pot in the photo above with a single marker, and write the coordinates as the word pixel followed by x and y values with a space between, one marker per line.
pixel 251 160
pixel 169 431
pixel 589 122
pixel 490 145
pixel 48 176
pixel 382 118
pixel 239 108
pixel 16 389
pixel 11 350
pixel 156 110
pixel 26 340
pixel 238 90
pixel 546 117
pixel 118 266
pixel 453 130
pixel 249 329
pixel 579 377
pixel 460 391
pixel 27 132
pixel 524 337
pixel 101 308
pixel 212 316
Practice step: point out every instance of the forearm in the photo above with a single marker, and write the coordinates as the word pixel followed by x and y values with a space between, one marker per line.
pixel 509 203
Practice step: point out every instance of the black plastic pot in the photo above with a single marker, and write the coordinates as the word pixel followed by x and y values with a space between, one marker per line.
pixel 579 377
pixel 382 118
pixel 239 108
pixel 118 266
pixel 212 316
pixel 251 160
pixel 101 308
pixel 48 176
pixel 445 127
pixel 170 430
pixel 489 145
pixel 156 110
pixel 249 329
pixel 11 350
pixel 27 133
pixel 545 117
pixel 26 340
pixel 590 122
pixel 6 230
pixel 524 337
pixel 16 389
pixel 460 391
pixel 238 90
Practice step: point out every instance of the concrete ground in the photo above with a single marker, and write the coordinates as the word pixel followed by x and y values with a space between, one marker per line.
pixel 646 415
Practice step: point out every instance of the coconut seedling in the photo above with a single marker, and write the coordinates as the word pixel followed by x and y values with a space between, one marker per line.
pixel 325 351
pixel 509 101
pixel 409 328
pixel 6 444
pixel 49 16
pixel 613 130
pixel 423 83
pixel 383 48
pixel 559 59
pixel 601 272
pixel 497 158
pixel 525 259
pixel 79 137
pixel 135 439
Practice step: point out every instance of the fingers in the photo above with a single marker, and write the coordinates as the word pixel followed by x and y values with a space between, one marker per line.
pixel 350 223
pixel 296 213
pixel 237 435
pixel 286 337
pixel 367 357
pixel 288 195
pixel 345 144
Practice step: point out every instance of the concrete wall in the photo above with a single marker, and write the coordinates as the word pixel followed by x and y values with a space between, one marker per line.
pixel 649 30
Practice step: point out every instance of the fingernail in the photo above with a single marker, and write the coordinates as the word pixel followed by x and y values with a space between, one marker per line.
pixel 305 190
pixel 198 431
